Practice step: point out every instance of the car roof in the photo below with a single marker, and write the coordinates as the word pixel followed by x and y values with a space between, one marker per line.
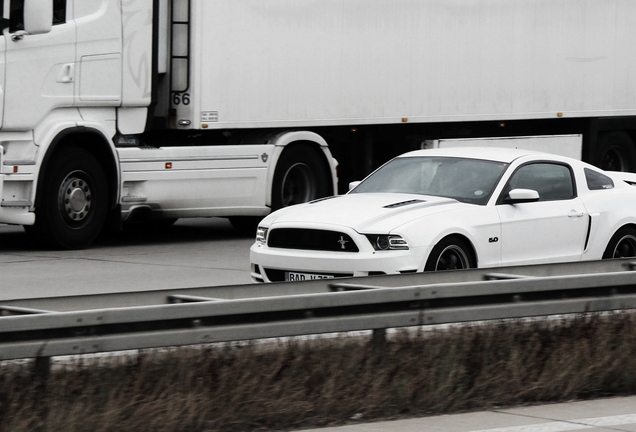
pixel 499 154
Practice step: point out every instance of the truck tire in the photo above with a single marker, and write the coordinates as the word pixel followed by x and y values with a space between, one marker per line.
pixel 615 152
pixel 301 175
pixel 73 205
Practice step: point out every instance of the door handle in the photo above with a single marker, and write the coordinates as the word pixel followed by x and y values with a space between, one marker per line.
pixel 575 214
pixel 66 74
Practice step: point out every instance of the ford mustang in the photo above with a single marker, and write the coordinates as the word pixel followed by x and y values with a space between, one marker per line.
pixel 446 209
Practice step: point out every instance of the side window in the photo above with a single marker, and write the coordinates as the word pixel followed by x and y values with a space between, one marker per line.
pixel 59 11
pixel 16 19
pixel 552 181
pixel 596 180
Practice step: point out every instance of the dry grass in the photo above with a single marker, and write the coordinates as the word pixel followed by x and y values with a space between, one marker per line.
pixel 323 382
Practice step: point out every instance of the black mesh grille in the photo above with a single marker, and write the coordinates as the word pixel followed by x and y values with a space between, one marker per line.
pixel 307 239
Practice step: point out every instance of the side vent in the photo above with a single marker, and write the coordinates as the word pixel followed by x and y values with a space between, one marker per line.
pixel 321 199
pixel 404 203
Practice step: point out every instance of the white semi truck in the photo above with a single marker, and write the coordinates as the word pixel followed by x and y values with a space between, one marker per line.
pixel 115 111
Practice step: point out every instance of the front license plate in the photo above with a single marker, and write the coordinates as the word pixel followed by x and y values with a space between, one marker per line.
pixel 294 277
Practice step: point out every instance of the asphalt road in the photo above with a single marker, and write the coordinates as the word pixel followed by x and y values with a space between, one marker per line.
pixel 192 253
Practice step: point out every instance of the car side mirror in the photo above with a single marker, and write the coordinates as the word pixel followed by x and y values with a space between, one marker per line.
pixel 354 184
pixel 517 196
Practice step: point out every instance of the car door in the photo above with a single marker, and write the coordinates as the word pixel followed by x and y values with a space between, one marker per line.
pixel 551 229
pixel 39 68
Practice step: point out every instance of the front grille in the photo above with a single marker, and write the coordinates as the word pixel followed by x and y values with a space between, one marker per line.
pixel 308 239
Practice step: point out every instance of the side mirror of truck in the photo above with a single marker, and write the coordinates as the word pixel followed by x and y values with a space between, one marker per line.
pixel 38 16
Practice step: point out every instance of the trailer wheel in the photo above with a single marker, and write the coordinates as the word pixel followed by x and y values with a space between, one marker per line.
pixel 616 152
pixel 74 201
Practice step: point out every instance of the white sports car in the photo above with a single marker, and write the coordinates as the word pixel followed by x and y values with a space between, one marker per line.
pixel 447 209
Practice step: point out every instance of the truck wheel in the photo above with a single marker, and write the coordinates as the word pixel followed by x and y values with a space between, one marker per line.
pixel 300 176
pixel 615 152
pixel 74 201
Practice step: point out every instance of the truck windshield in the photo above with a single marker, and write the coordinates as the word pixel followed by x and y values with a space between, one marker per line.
pixel 467 180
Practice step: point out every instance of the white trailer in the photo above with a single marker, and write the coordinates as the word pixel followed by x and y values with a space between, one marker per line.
pixel 121 110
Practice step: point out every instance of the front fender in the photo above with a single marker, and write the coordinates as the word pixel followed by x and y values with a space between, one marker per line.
pixel 479 225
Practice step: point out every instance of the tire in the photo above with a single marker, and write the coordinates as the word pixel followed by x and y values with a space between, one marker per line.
pixel 452 253
pixel 622 244
pixel 73 204
pixel 301 175
pixel 615 152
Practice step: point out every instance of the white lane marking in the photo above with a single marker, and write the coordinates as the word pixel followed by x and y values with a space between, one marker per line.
pixel 569 425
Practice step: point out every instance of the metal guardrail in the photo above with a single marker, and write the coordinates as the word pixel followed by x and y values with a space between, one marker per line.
pixel 192 317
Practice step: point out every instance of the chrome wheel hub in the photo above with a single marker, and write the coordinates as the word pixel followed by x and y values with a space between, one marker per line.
pixel 75 197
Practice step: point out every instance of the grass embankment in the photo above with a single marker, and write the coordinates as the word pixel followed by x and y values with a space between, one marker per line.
pixel 326 382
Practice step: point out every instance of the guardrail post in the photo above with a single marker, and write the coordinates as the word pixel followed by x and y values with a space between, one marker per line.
pixel 378 343
pixel 42 367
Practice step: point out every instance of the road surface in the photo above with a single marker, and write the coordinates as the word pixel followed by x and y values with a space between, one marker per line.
pixel 192 253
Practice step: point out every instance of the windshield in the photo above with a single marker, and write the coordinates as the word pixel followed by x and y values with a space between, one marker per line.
pixel 466 180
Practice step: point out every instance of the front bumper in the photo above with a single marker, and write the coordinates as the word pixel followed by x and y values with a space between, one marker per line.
pixel 271 264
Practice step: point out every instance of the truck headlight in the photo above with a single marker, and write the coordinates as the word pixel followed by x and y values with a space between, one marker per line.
pixel 382 242
pixel 261 236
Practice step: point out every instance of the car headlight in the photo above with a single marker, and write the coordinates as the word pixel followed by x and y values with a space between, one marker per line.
pixel 261 235
pixel 387 242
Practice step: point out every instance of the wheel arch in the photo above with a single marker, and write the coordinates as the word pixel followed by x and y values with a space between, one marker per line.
pixel 626 226
pixel 92 141
pixel 287 140
pixel 455 235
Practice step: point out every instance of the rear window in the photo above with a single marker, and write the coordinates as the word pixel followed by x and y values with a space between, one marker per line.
pixel 596 180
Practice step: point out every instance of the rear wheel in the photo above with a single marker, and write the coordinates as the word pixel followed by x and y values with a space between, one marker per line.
pixel 622 244
pixel 616 152
pixel 73 206
pixel 452 253
pixel 301 175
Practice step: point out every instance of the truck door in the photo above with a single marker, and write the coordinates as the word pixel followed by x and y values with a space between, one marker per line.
pixel 39 68
pixel 4 23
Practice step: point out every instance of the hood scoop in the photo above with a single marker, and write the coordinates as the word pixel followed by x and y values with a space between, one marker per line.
pixel 404 203
pixel 322 199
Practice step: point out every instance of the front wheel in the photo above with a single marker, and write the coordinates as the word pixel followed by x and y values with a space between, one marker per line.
pixel 622 244
pixel 452 253
pixel 74 202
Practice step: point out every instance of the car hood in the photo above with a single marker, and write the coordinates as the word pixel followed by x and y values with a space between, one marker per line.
pixel 364 212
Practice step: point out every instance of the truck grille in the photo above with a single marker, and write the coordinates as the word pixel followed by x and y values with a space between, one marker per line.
pixel 309 239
